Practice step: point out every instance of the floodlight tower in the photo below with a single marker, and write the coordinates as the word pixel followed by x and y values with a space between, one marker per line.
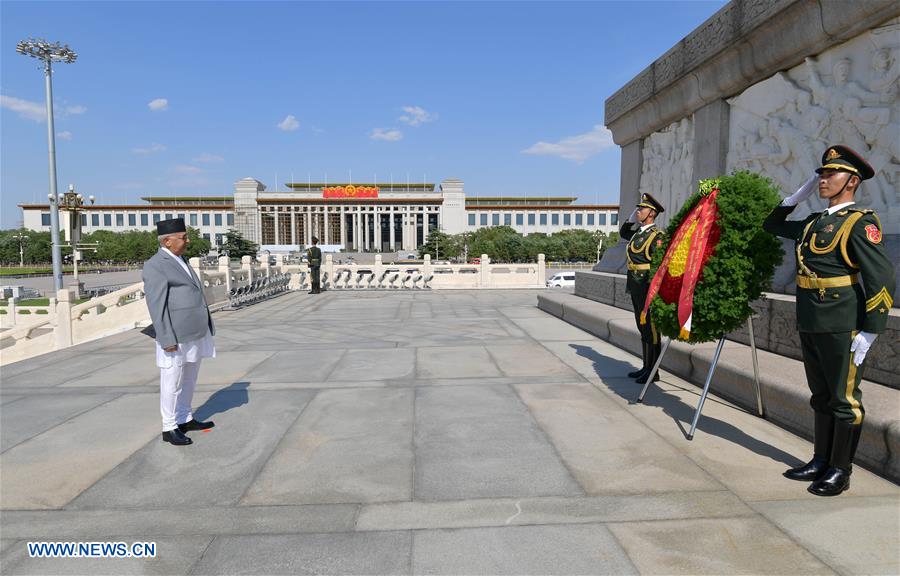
pixel 48 53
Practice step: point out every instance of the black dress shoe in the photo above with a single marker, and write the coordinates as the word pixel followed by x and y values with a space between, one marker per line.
pixel 176 437
pixel 194 425
pixel 833 482
pixel 642 379
pixel 812 470
pixel 637 373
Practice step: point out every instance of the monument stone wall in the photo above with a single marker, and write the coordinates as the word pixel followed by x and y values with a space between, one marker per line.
pixel 766 86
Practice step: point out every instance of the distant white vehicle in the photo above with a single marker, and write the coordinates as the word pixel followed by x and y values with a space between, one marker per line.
pixel 561 279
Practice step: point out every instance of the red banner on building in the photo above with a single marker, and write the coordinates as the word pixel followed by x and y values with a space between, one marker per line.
pixel 350 191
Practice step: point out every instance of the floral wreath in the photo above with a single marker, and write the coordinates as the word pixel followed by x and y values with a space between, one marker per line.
pixel 718 259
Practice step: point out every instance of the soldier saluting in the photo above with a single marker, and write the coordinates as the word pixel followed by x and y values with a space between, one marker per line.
pixel 838 317
pixel 644 238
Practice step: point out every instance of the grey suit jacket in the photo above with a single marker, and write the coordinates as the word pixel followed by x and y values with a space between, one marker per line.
pixel 178 309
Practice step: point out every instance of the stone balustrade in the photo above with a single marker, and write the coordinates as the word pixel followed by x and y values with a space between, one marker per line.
pixel 413 276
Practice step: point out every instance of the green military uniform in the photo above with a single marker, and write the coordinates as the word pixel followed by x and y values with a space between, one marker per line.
pixel 314 259
pixel 845 284
pixel 642 245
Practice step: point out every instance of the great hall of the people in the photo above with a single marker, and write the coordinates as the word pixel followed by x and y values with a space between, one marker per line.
pixel 357 217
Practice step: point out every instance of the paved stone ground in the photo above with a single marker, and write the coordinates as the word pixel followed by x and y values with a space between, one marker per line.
pixel 413 433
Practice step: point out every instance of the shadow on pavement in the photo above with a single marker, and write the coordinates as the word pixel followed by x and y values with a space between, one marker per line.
pixel 234 396
pixel 674 407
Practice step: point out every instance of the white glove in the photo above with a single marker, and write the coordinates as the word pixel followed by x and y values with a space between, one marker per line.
pixel 633 217
pixel 803 192
pixel 860 346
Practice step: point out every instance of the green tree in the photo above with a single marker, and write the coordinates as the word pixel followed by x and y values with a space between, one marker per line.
pixel 237 246
pixel 198 245
pixel 440 245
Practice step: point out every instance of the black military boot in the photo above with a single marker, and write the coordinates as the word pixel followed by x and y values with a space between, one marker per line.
pixel 823 434
pixel 653 352
pixel 837 478
pixel 644 369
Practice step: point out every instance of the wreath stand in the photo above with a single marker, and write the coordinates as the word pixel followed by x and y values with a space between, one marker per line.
pixel 709 375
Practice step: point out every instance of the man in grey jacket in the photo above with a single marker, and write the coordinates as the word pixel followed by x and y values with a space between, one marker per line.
pixel 183 329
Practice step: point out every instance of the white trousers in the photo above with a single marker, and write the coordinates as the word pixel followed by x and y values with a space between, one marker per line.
pixel 176 392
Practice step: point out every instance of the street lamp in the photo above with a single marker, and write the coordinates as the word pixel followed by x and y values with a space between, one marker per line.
pixel 73 203
pixel 49 53
pixel 22 239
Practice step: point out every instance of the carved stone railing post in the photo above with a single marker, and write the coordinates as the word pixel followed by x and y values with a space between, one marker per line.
pixel 485 270
pixel 63 329
pixel 379 268
pixel 11 310
pixel 426 266
pixel 247 267
pixel 328 267
pixel 542 270
pixel 225 267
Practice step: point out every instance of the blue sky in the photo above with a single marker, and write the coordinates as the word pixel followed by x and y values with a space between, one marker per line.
pixel 186 98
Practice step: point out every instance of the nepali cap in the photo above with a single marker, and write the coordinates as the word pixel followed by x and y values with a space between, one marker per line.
pixel 172 226
pixel 648 201
pixel 845 159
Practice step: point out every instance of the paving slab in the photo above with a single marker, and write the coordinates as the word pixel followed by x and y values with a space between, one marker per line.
pixel 375 365
pixel 549 510
pixel 546 329
pixel 49 470
pixel 455 362
pixel 830 527
pixel 216 469
pixel 714 546
pixel 300 365
pixel 229 367
pixel 36 414
pixel 529 360
pixel 584 549
pixel 347 446
pixel 132 370
pixel 361 553
pixel 479 442
pixel 608 450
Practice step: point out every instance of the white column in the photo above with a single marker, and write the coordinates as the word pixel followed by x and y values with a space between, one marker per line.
pixel 365 230
pixel 425 219
pixel 277 232
pixel 343 227
pixel 307 217
pixel 293 226
pixel 356 244
pixel 391 230
pixel 377 230
pixel 326 233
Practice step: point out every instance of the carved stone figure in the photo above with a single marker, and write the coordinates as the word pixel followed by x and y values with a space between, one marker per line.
pixel 849 94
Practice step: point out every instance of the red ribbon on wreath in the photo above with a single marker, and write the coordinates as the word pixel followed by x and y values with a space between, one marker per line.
pixel 705 234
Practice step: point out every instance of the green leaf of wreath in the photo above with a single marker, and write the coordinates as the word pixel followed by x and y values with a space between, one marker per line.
pixel 739 270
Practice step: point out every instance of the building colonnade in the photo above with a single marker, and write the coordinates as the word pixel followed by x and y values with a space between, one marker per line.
pixel 363 227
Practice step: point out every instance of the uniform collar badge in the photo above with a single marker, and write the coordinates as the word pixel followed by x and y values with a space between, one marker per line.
pixel 828 228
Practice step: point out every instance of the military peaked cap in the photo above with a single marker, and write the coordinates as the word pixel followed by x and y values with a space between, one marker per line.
pixel 173 226
pixel 844 159
pixel 648 201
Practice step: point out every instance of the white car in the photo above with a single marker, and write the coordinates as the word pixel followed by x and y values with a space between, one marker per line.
pixel 561 279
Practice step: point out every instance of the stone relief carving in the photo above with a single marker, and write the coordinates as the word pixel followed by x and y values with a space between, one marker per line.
pixel 849 94
pixel 668 164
